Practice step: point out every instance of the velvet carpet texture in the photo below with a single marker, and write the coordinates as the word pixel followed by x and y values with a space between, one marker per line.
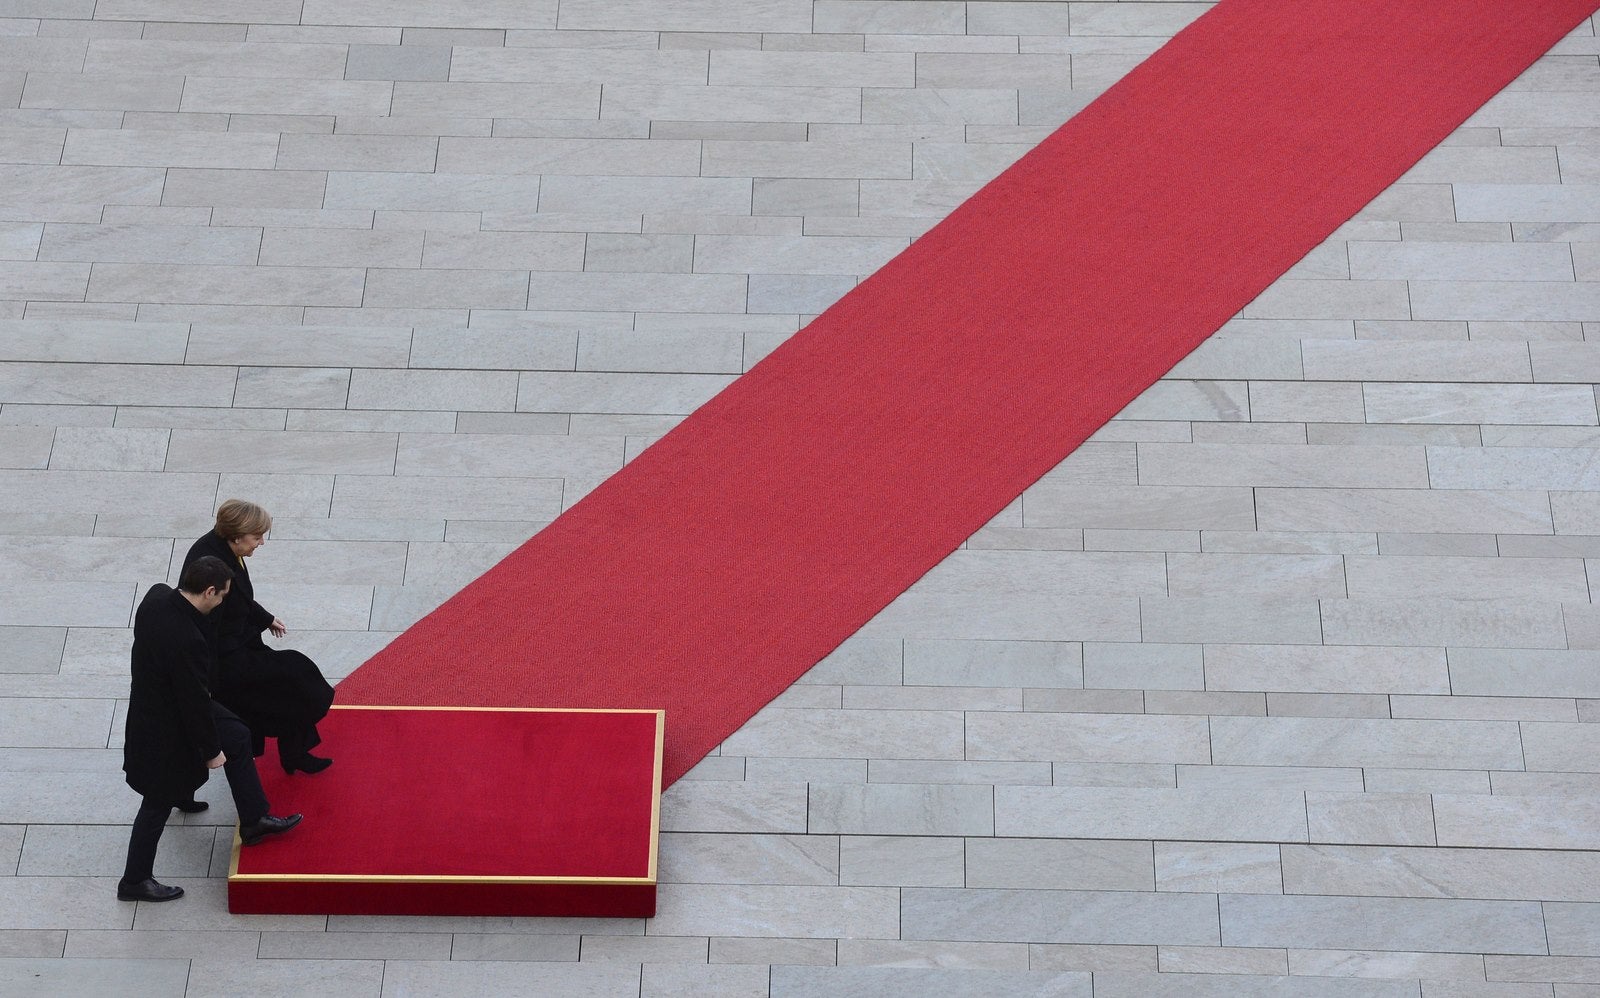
pixel 451 793
pixel 740 549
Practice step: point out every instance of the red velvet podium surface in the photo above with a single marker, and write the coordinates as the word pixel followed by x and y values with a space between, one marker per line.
pixel 465 811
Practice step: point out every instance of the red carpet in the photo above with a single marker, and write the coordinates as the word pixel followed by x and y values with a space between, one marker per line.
pixel 432 811
pixel 730 557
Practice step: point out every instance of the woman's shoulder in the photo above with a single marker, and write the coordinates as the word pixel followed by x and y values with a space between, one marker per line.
pixel 210 543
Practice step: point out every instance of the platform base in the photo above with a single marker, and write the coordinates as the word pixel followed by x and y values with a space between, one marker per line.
pixel 465 811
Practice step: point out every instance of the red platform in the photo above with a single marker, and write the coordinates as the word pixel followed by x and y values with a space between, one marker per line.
pixel 465 811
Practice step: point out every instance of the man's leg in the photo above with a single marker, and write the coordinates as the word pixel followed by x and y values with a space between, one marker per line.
pixel 255 823
pixel 243 781
pixel 138 876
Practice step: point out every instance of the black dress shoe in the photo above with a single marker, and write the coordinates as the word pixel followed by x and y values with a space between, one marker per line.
pixel 148 890
pixel 192 806
pixel 252 833
pixel 307 763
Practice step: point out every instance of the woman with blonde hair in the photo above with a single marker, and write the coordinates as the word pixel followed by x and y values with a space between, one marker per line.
pixel 278 693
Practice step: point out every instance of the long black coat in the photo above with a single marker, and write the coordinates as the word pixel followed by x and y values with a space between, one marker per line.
pixel 273 691
pixel 170 734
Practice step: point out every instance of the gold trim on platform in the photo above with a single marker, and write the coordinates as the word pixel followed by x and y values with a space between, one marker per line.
pixel 648 880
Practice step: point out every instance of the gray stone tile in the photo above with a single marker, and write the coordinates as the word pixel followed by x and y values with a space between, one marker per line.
pixel 1326 669
pixel 1387 871
pixel 468 946
pixel 1121 738
pixel 1507 512
pixel 1083 701
pixel 1320 467
pixel 1309 741
pixel 55 723
pixel 1516 822
pixel 1141 666
pixel 1230 619
pixel 1273 777
pixel 1154 507
pixel 1377 360
pixel 135 243
pixel 295 453
pixel 1305 922
pixel 949 955
pixel 43 281
pixel 340 248
pixel 1526 673
pixel 1362 818
pixel 63 903
pixel 1059 864
pixel 850 734
pixel 812 982
pixel 688 857
pixel 1485 708
pixel 1118 917
pixel 721 806
pixel 1433 621
pixel 45 977
pixel 1220 815
pixel 900 809
pixel 1329 705
pixel 1509 578
pixel 1222 960
pixel 596 392
pixel 621 157
pixel 900 861
pixel 34 650
pixel 244 189
pixel 32 943
pixel 786 912
pixel 794 952
pixel 331 286
pixel 1218 867
pixel 1206 985
pixel 684 979
pixel 1574 929
pixel 1535 968
pixel 477 498
pixel 398 62
pixel 1461 403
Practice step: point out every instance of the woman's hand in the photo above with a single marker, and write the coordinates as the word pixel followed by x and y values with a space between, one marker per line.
pixel 277 628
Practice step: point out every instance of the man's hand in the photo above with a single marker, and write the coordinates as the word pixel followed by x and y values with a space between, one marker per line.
pixel 222 757
pixel 277 628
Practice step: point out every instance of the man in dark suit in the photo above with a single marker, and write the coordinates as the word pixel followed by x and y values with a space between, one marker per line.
pixel 176 732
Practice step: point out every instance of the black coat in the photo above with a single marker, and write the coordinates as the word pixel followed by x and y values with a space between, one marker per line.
pixel 170 734
pixel 273 691
pixel 239 621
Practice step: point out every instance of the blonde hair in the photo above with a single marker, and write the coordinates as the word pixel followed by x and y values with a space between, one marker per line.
pixel 237 517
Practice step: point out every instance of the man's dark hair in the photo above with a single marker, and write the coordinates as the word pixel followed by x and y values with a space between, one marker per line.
pixel 205 573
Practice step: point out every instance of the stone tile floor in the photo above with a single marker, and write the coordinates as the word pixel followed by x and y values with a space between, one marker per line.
pixel 1298 689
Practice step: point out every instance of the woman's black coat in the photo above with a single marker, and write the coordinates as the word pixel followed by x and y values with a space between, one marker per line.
pixel 170 734
pixel 273 691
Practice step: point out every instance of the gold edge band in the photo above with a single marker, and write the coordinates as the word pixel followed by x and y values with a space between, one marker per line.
pixel 655 794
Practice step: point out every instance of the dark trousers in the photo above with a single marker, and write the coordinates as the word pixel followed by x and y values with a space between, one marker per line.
pixel 243 782
pixel 147 826
pixel 294 744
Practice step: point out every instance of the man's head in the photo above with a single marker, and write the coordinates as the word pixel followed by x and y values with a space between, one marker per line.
pixel 206 582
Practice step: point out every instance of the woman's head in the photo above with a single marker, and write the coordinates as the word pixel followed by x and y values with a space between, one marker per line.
pixel 239 521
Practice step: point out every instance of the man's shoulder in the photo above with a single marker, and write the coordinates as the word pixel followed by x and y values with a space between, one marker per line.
pixel 161 602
